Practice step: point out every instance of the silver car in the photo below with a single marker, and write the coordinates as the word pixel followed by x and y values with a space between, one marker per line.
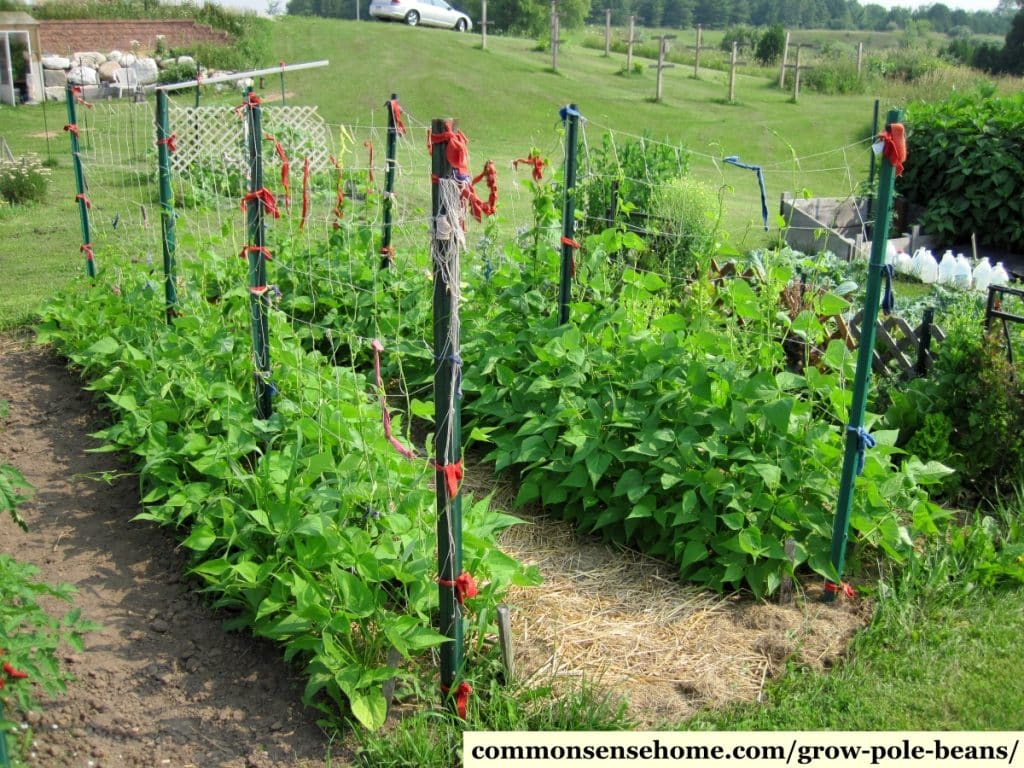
pixel 432 13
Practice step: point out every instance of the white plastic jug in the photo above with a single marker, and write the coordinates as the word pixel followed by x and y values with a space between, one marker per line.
pixel 962 274
pixel 982 275
pixel 916 262
pixel 999 275
pixel 929 268
pixel 903 263
pixel 947 267
pixel 890 252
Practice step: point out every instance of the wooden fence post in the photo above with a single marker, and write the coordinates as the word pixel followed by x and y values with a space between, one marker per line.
pixel 785 63
pixel 662 52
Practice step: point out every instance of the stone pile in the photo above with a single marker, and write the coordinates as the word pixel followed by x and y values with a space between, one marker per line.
pixel 97 72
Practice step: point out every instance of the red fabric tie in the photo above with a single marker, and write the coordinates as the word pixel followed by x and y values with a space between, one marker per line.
pixel 461 698
pixel 457 151
pixel 80 197
pixel 86 248
pixel 285 166
pixel 169 141
pixel 396 111
pixel 388 251
pixel 72 128
pixel 536 161
pixel 895 146
pixel 464 587
pixel 77 93
pixel 478 207
pixel 256 249
pixel 266 197
pixel 385 414
pixel 842 588
pixel 575 246
pixel 452 476
pixel 339 198
pixel 305 192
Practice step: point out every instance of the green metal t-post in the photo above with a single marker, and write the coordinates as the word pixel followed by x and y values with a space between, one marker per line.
pixel 865 357
pixel 5 760
pixel 571 117
pixel 389 183
pixel 259 296
pixel 83 202
pixel 163 151
pixel 447 418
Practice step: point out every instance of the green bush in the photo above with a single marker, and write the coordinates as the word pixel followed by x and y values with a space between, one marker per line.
pixel 769 47
pixel 23 180
pixel 968 414
pixel 624 177
pixel 966 167
pixel 690 214
pixel 835 75
pixel 177 73
pixel 908 64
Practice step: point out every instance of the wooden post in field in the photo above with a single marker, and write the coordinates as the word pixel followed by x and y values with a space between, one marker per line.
pixel 696 55
pixel 662 53
pixel 554 36
pixel 860 58
pixel 607 31
pixel 796 76
pixel 483 24
pixel 732 72
pixel 629 46
pixel 785 57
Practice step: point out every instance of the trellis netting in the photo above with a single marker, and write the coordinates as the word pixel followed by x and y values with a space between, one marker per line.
pixel 663 415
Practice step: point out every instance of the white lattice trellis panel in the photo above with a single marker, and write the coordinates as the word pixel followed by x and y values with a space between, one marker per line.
pixel 212 135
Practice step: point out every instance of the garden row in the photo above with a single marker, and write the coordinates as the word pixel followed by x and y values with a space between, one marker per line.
pixel 308 526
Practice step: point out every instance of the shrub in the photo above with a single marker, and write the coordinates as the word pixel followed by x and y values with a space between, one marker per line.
pixel 969 413
pixel 23 180
pixel 966 166
pixel 769 47
pixel 834 76
pixel 690 212
pixel 747 37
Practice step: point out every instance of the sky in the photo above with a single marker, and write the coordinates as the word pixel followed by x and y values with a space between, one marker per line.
pixel 967 5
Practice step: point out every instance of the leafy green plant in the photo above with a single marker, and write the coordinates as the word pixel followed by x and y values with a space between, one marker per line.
pixel 968 412
pixel 23 180
pixel 967 167
pixel 309 526
pixel 31 637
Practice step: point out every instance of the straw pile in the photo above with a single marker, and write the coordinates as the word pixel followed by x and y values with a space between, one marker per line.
pixel 625 623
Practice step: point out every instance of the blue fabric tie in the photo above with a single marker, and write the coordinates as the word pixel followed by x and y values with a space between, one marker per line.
pixel 864 441
pixel 735 160
pixel 888 299
pixel 567 110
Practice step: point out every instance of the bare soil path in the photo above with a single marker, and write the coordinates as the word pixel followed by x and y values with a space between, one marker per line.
pixel 162 683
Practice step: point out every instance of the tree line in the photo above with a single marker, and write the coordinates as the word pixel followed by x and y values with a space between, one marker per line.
pixel 530 17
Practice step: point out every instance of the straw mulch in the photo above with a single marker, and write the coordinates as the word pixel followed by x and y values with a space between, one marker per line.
pixel 625 623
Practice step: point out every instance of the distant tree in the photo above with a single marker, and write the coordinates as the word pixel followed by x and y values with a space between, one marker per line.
pixel 874 17
pixel 678 14
pixel 769 47
pixel 1013 51
pixel 650 12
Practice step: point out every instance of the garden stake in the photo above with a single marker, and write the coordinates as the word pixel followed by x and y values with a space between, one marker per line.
pixel 164 144
pixel 386 250
pixel 83 201
pixel 259 297
pixel 446 231
pixel 856 437
pixel 5 760
pixel 571 118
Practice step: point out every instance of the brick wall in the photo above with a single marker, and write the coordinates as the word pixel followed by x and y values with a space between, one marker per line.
pixel 63 38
